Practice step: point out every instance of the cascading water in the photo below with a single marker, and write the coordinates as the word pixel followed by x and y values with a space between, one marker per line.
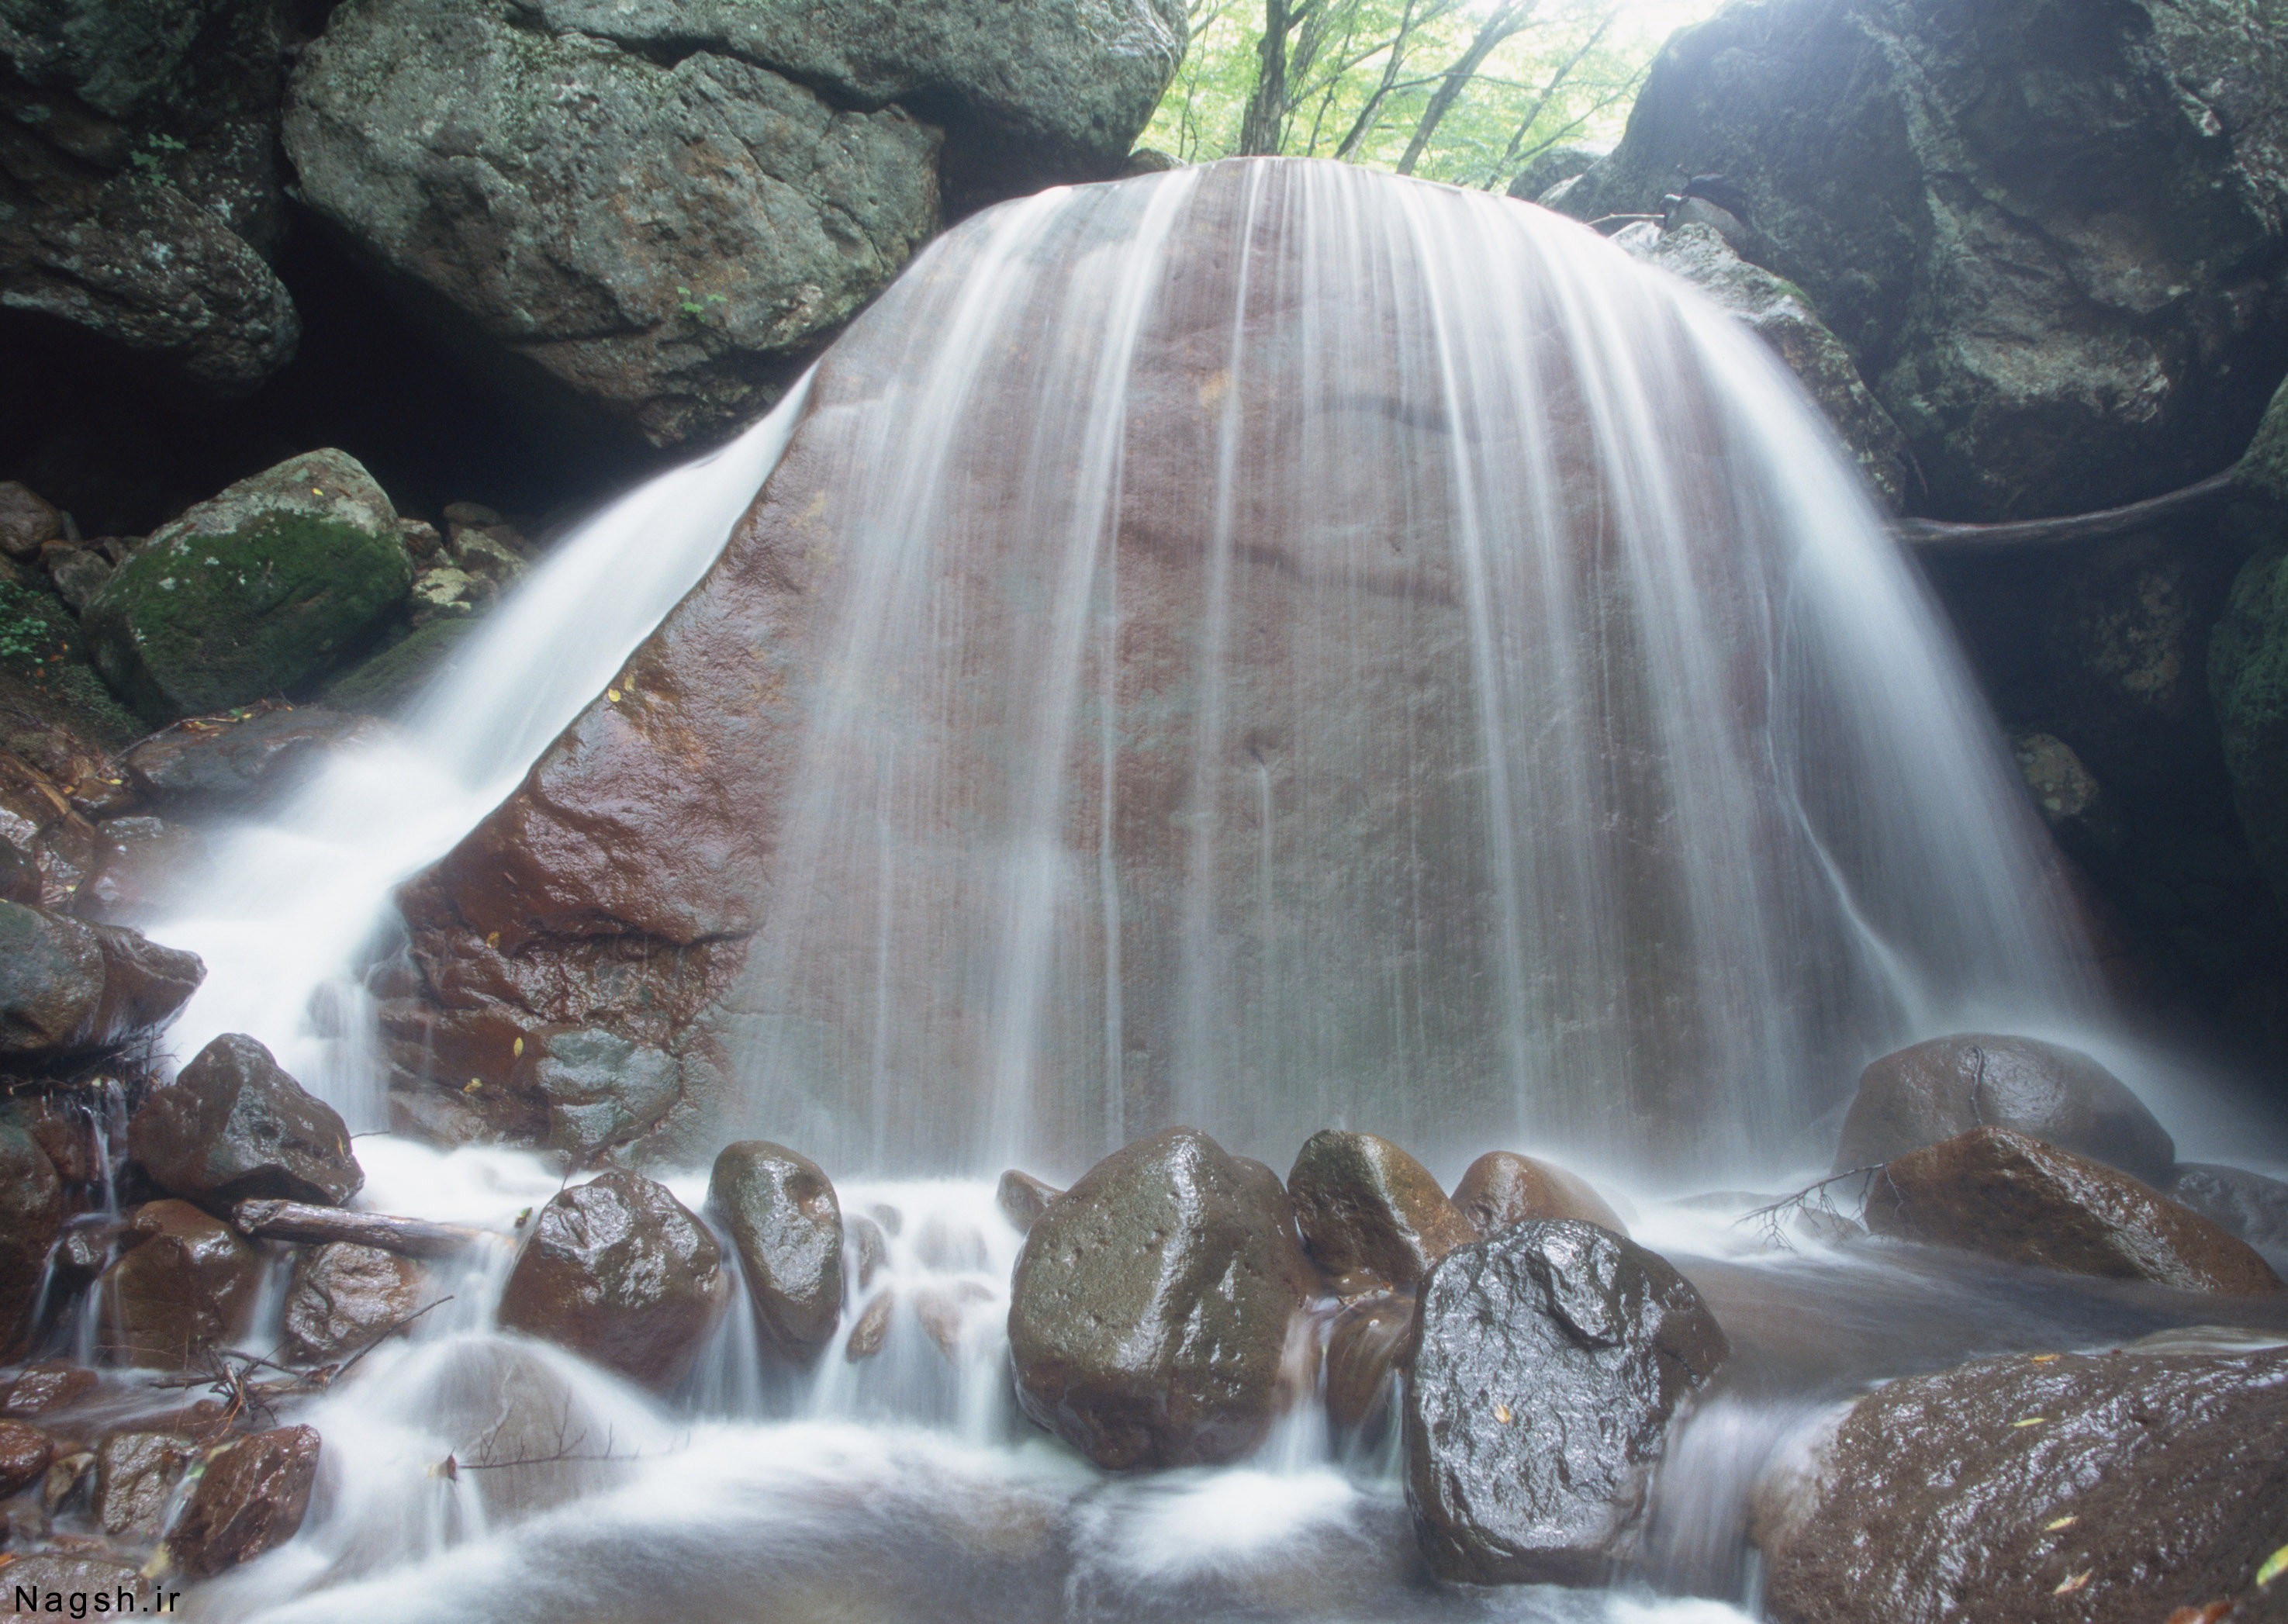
pixel 1268 647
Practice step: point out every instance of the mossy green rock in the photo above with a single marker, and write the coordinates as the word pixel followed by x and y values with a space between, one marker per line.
pixel 2248 678
pixel 2262 472
pixel 254 592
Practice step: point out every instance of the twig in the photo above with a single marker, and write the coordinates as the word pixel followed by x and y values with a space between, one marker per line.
pixel 1769 1217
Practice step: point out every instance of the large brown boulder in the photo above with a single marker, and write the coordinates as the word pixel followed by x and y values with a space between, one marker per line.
pixel 344 1297
pixel 1371 1216
pixel 1501 1188
pixel 1149 1311
pixel 136 1474
pixel 182 1287
pixel 1546 1364
pixel 31 1216
pixel 251 1498
pixel 786 1225
pixel 621 1272
pixel 2099 1488
pixel 25 1452
pixel 69 988
pixel 2010 1196
pixel 234 1127
pixel 1936 1089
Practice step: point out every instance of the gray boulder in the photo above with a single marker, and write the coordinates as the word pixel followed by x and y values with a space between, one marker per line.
pixel 664 242
pixel 1546 1364
pixel 1777 313
pixel 2051 236
pixel 1149 1309
pixel 786 1225
pixel 234 1127
pixel 599 1089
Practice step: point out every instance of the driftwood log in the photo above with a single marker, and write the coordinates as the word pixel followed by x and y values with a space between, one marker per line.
pixel 2106 525
pixel 297 1221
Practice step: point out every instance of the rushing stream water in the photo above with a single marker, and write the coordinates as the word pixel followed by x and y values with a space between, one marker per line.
pixel 1551 750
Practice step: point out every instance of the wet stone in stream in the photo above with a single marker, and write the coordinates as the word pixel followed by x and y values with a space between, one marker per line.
pixel 786 1225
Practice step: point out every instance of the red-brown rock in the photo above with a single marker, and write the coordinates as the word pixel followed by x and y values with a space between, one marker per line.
pixel 25 1452
pixel 37 818
pixel 344 1298
pixel 39 1389
pixel 2007 1194
pixel 31 1216
pixel 234 1127
pixel 182 1287
pixel 135 1477
pixel 1501 1188
pixel 1371 1216
pixel 250 1499
pixel 1366 1344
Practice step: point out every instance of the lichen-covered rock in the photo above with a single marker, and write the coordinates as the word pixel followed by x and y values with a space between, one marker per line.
pixel 251 1498
pixel 1502 1188
pixel 1936 1089
pixel 181 1288
pixel 599 1088
pixel 68 987
pixel 1149 1311
pixel 663 241
pixel 253 592
pixel 2011 1196
pixel 2052 236
pixel 234 1127
pixel 621 1272
pixel 1369 1213
pixel 343 1297
pixel 1777 313
pixel 31 1215
pixel 1546 1364
pixel 2114 1488
pixel 786 1225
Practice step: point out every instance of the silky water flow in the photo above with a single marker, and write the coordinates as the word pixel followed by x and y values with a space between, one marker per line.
pixel 1279 646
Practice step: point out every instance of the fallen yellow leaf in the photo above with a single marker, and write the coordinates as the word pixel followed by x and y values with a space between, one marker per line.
pixel 472 1085
pixel 2046 1358
pixel 612 694
pixel 2063 1522
pixel 2275 1566
pixel 2031 1421
pixel 2071 1585
pixel 1501 1414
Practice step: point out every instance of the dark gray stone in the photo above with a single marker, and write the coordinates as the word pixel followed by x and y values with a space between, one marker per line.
pixel 1546 1365
pixel 1371 1215
pixel 234 1127
pixel 601 1089
pixel 1149 1309
pixel 786 1225
pixel 68 987
pixel 2248 1204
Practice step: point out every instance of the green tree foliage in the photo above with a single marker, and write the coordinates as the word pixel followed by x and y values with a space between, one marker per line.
pixel 1467 91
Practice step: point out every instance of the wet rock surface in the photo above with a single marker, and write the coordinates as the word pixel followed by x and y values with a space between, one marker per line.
pixel 2051 257
pixel 1547 1363
pixel 2010 1196
pixel 1947 1085
pixel 40 822
pixel 234 1127
pixel 67 1574
pixel 1502 1188
pixel 31 1216
pixel 68 987
pixel 224 763
pixel 786 1225
pixel 45 1386
pixel 1369 1212
pixel 343 1297
pixel 1149 1311
pixel 621 1272
pixel 2247 1204
pixel 1022 1198
pixel 25 1452
pixel 2247 667
pixel 599 1088
pixel 251 1498
pixel 181 1288
pixel 2111 1487
pixel 1368 1343
pixel 135 1477
pixel 253 592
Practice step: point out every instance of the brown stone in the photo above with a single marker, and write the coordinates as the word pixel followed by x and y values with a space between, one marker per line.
pixel 181 1289
pixel 1502 1188
pixel 223 762
pixel 70 988
pixel 31 1216
pixel 1366 1344
pixel 1023 1199
pixel 621 1272
pixel 67 1574
pixel 27 520
pixel 37 818
pixel 786 1225
pixel 42 1389
pixel 135 1477
pixel 872 1329
pixel 140 864
pixel 250 1499
pixel 345 1297
pixel 25 1452
pixel 2008 1195
pixel 1371 1212
pixel 2098 1488
pixel 234 1127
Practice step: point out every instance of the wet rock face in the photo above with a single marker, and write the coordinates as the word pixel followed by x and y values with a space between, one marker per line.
pixel 182 1287
pixel 39 823
pixel 1370 1212
pixel 135 1477
pixel 1502 1188
pixel 1546 1365
pixel 1149 1311
pixel 1775 311
pixel 2248 1204
pixel 1023 1199
pixel 25 1452
pixel 234 1127
pixel 343 1296
pixel 43 1388
pixel 1368 1342
pixel 31 1216
pixel 2053 258
pixel 538 185
pixel 2248 681
pixel 2013 1197
pixel 2112 1487
pixel 250 1499
pixel 253 592
pixel 1935 1090
pixel 68 987
pixel 204 766
pixel 786 1225
pixel 599 1088
pixel 65 1574
pixel 621 1272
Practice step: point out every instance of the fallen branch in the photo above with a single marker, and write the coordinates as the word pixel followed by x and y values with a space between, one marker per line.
pixel 2106 525
pixel 298 1221
pixel 567 1449
pixel 1812 1197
